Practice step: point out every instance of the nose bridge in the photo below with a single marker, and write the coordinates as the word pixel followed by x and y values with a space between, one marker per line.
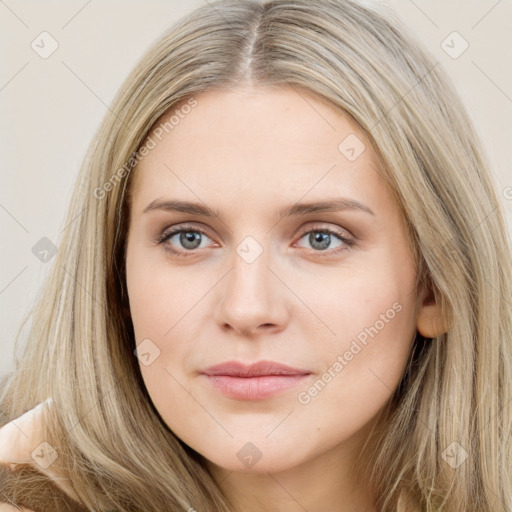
pixel 251 297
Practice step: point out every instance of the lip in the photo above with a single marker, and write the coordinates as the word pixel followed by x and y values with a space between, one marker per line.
pixel 258 369
pixel 256 381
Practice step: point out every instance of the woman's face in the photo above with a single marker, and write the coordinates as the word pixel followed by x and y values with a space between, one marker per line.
pixel 327 289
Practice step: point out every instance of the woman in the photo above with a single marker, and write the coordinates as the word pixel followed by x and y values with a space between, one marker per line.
pixel 285 284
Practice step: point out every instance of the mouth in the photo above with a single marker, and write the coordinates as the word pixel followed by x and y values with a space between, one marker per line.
pixel 256 381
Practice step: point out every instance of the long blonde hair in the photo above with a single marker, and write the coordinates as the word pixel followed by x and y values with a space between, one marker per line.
pixel 446 438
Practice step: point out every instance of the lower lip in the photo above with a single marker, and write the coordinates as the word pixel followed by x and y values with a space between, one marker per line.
pixel 254 388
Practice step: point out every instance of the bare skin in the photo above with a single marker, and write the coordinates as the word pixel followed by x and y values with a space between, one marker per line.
pixel 19 440
pixel 302 302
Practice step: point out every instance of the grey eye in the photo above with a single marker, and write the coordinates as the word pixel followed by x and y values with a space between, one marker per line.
pixel 190 239
pixel 321 240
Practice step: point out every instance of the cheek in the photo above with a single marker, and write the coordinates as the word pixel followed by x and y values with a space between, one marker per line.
pixel 168 306
pixel 160 296
pixel 162 303
pixel 371 301
pixel 369 324
pixel 361 364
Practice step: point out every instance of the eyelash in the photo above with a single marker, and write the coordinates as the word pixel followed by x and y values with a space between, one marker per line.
pixel 169 233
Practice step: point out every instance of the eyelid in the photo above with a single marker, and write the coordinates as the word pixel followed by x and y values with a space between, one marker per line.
pixel 348 239
pixel 178 228
pixel 327 227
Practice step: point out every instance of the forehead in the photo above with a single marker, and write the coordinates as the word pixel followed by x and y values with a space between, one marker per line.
pixel 279 142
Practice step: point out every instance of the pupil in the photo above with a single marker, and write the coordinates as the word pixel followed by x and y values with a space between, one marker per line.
pixel 320 240
pixel 190 239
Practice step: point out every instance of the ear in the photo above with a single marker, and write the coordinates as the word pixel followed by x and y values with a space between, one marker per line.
pixel 431 322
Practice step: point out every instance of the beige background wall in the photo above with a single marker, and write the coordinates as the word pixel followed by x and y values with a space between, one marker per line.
pixel 51 106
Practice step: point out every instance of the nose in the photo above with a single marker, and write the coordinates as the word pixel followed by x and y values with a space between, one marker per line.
pixel 252 299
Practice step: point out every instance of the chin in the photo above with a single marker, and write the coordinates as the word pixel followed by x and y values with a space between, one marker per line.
pixel 255 457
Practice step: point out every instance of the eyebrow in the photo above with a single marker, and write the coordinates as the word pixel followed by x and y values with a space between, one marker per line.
pixel 334 205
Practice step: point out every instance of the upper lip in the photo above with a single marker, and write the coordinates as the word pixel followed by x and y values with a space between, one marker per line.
pixel 237 369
